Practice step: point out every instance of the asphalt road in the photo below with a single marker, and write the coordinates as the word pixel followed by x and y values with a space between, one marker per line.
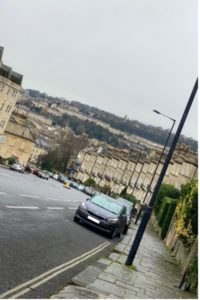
pixel 37 234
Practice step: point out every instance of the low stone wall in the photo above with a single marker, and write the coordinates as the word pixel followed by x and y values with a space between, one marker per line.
pixel 178 250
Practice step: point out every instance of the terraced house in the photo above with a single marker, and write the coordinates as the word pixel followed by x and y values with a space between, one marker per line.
pixel 136 174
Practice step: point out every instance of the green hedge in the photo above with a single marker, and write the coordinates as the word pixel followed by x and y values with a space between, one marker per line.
pixel 166 190
pixel 163 213
pixel 168 218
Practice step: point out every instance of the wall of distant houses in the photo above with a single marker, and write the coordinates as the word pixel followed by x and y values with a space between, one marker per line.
pixel 136 174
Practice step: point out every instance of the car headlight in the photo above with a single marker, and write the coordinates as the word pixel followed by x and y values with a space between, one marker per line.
pixel 112 221
pixel 83 205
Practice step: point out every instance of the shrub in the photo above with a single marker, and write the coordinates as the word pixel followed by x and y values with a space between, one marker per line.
pixel 168 218
pixel 106 189
pixel 166 190
pixel 127 196
pixel 90 182
pixel 130 198
pixel 163 214
pixel 11 160
pixel 187 213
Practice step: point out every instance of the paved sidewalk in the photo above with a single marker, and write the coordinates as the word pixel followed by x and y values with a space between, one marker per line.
pixel 154 274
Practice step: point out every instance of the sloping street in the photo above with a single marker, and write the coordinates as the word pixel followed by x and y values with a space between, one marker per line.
pixel 38 234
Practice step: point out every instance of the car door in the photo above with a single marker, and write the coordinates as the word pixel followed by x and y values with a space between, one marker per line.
pixel 123 219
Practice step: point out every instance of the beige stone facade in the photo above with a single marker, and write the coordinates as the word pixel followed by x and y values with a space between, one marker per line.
pixel 10 88
pixel 37 151
pixel 33 116
pixel 136 174
pixel 18 140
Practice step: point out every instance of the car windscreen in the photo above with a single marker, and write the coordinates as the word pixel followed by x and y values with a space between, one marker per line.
pixel 107 204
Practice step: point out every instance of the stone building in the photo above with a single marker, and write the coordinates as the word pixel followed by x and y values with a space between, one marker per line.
pixel 136 173
pixel 10 88
pixel 33 116
pixel 41 148
pixel 18 140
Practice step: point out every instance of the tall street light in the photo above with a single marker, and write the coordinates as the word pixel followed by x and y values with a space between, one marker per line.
pixel 148 210
pixel 163 151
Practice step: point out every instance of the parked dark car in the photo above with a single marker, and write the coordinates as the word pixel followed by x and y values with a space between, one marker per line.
pixel 36 171
pixel 29 169
pixel 104 213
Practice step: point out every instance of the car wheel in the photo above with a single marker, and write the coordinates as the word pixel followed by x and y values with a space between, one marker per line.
pixel 75 219
pixel 125 229
pixel 119 234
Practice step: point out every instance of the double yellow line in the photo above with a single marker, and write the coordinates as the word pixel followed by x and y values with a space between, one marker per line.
pixel 28 286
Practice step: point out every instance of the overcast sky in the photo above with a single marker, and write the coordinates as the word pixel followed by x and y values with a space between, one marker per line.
pixel 126 57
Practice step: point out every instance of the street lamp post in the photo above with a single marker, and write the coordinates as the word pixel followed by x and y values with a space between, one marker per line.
pixel 148 210
pixel 163 151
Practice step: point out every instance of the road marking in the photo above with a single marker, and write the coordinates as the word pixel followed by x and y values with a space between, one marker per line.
pixel 29 196
pixel 72 207
pixel 25 287
pixel 2 193
pixel 55 208
pixel 23 207
pixel 25 291
pixel 51 198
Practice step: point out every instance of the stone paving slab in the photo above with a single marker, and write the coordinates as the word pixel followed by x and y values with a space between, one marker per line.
pixel 74 292
pixel 154 275
pixel 88 275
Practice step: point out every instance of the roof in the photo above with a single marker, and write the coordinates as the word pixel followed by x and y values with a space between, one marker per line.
pixel 42 143
pixel 19 129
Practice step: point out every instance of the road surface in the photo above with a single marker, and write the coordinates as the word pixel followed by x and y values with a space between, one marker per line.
pixel 39 237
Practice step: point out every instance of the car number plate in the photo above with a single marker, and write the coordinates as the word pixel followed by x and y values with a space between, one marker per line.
pixel 93 219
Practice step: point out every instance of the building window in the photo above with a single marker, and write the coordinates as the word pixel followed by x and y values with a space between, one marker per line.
pixel 2 87
pixel 2 123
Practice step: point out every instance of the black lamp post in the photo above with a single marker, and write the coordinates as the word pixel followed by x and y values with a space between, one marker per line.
pixel 163 151
pixel 148 210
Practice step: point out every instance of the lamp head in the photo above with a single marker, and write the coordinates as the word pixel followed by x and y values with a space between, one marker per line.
pixel 156 111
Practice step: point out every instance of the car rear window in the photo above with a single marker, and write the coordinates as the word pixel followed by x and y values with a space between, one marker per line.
pixel 107 204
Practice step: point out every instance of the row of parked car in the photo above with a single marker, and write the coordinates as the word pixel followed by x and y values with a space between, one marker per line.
pixel 111 216
pixel 21 169
pixel 82 188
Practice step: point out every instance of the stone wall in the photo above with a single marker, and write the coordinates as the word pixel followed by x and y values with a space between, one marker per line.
pixel 173 243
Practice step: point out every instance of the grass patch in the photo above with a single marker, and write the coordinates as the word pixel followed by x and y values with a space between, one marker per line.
pixel 132 267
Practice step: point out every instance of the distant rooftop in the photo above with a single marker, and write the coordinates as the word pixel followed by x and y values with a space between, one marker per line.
pixel 7 72
pixel 42 143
